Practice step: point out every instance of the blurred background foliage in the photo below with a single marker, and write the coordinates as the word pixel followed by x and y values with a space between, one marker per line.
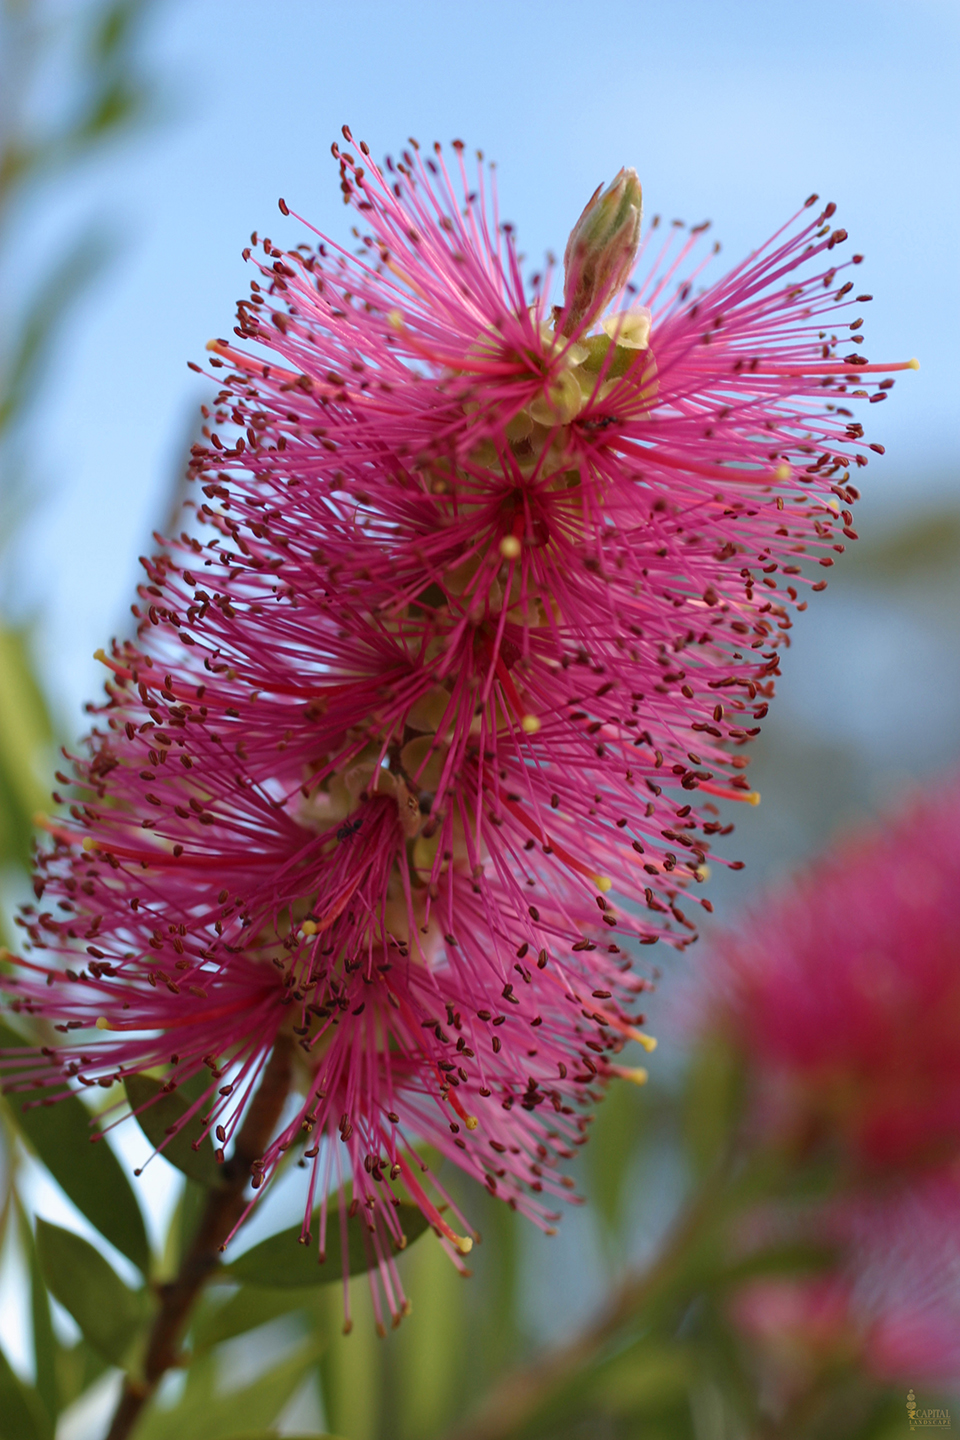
pixel 621 1321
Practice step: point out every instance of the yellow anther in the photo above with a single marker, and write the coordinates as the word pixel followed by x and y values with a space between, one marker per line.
pixel 603 882
pixel 463 1243
pixel 89 843
pixel 752 797
pixel 471 1122
pixel 309 927
pixel 636 1074
pixel 647 1041
pixel 783 472
pixel 914 364
pixel 101 655
pixel 703 872
pixel 510 547
pixel 103 1023
pixel 395 320
pixel 213 345
pixel 530 724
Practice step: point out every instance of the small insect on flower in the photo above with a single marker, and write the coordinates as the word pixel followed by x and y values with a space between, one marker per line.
pixel 485 589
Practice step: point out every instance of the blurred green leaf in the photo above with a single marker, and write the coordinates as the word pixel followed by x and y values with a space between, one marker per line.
pixel 282 1261
pixel 918 548
pixel 157 1114
pixel 25 732
pixel 86 1169
pixel 252 1305
pixel 78 1366
pixel 109 1314
pixel 44 1341
pixel 647 1377
pixel 202 1414
pixel 787 1259
pixel 711 1103
pixel 22 1415
pixel 615 1139
pixel 44 316
pixel 431 1343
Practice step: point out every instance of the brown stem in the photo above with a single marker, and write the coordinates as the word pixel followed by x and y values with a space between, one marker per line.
pixel 517 1398
pixel 223 1209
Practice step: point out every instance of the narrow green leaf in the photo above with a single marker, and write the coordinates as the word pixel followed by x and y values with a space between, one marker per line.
pixel 83 1166
pixel 282 1261
pixel 159 1113
pixel 712 1103
pixel 108 1313
pixel 77 1369
pixel 204 1415
pixel 646 1378
pixel 614 1141
pixel 44 1342
pixel 22 1416
pixel 89 1173
pixel 252 1305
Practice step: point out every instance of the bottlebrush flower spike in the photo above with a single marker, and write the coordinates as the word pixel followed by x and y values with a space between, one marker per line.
pixel 406 752
pixel 843 993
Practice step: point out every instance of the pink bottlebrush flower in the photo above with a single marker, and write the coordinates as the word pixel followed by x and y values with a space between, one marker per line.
pixel 842 991
pixel 446 676
pixel 889 1304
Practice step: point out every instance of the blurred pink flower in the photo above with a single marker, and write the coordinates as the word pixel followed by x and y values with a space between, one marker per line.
pixel 447 674
pixel 842 991
pixel 891 1304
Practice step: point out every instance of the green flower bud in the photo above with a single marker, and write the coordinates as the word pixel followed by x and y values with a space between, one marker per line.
pixel 601 249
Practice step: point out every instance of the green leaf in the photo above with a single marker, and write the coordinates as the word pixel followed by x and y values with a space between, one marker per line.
pixel 252 1305
pixel 202 1414
pixel 712 1103
pixel 77 1368
pixel 108 1313
pixel 282 1261
pixel 84 1166
pixel 22 1416
pixel 89 1173
pixel 44 1342
pixel 157 1113
pixel 614 1141
pixel 25 734
pixel 646 1378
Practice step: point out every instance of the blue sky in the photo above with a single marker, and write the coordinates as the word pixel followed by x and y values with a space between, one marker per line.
pixel 733 110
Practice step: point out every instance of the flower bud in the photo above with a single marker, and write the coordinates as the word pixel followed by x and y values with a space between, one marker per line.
pixel 601 250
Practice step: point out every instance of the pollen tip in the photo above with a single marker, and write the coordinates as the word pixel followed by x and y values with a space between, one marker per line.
pixel 395 320
pixel 753 798
pixel 309 927
pixel 38 818
pixel 636 1074
pixel 89 843
pixel 464 1244
pixel 647 1041
pixel 913 364
pixel 530 724
pixel 103 1023
pixel 213 345
pixel 603 882
pixel 101 655
pixel 471 1122
pixel 510 547
pixel 783 472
